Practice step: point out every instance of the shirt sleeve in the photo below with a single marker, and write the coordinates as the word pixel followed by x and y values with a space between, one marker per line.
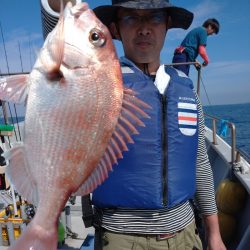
pixel 203 53
pixel 205 194
pixel 49 18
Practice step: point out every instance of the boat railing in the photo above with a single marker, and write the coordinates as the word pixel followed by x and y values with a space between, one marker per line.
pixel 14 74
pixel 235 154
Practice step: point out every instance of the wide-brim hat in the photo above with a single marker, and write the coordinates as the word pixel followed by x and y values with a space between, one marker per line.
pixel 180 17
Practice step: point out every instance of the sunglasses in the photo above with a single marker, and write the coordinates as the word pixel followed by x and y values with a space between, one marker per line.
pixel 154 18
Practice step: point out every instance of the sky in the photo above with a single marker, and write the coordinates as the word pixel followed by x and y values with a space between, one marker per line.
pixel 224 81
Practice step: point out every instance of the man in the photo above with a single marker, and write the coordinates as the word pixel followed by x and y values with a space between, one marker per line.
pixel 194 44
pixel 144 204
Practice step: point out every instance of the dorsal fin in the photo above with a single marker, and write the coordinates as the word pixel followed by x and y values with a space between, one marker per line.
pixel 129 118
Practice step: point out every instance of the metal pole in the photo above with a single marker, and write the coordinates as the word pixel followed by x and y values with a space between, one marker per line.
pixel 11 186
pixel 233 134
pixel 14 200
pixel 23 213
pixel 5 112
pixel 10 230
pixel 14 74
pixel 238 156
pixel 183 63
pixel 68 217
pixel 214 132
pixel 1 235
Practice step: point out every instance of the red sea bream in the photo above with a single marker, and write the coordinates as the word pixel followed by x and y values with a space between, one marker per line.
pixel 77 123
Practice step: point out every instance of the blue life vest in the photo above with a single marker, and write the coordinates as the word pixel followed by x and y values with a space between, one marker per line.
pixel 159 170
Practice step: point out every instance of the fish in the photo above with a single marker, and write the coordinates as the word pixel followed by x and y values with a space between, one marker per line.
pixel 79 119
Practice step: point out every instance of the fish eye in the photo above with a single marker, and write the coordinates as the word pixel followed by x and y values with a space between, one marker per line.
pixel 97 38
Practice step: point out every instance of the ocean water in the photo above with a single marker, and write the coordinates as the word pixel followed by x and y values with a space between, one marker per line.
pixel 239 114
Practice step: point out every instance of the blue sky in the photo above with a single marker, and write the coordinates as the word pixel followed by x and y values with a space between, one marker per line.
pixel 226 79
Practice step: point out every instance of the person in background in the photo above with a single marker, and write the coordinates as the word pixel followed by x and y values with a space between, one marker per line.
pixel 194 44
pixel 145 202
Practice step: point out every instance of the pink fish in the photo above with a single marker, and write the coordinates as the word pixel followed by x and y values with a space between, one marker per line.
pixel 78 121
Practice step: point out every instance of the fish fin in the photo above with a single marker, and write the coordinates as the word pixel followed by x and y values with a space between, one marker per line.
pixel 132 110
pixel 55 45
pixel 36 237
pixel 96 178
pixel 14 88
pixel 19 174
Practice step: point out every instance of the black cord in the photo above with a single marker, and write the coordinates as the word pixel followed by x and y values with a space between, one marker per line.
pixel 205 91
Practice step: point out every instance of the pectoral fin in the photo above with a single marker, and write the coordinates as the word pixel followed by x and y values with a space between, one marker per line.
pixel 14 88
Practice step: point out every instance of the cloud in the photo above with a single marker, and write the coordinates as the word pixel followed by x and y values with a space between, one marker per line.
pixel 206 9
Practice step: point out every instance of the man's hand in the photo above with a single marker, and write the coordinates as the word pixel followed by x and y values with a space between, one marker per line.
pixel 56 4
pixel 205 63
pixel 213 233
pixel 197 65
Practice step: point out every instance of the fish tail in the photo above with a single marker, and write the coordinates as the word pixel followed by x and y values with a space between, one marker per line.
pixel 36 238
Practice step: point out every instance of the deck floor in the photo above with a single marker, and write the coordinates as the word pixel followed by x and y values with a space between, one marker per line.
pixel 77 227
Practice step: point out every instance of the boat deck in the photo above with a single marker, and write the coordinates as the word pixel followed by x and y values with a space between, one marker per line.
pixel 77 227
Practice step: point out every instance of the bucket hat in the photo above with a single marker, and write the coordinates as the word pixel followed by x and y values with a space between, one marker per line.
pixel 180 17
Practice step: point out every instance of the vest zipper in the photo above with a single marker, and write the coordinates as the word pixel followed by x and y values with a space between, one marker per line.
pixel 164 150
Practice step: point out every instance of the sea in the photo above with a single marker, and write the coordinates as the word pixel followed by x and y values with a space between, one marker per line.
pixel 239 114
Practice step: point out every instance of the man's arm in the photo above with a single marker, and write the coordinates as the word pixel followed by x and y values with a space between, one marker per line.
pixel 203 53
pixel 213 232
pixel 205 195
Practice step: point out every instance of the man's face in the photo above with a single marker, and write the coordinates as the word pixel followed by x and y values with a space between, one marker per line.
pixel 210 30
pixel 142 33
